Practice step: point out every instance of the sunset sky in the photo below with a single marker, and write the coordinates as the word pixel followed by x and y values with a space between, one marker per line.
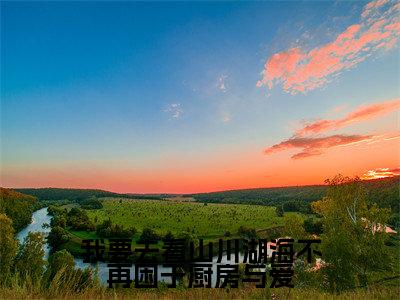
pixel 194 97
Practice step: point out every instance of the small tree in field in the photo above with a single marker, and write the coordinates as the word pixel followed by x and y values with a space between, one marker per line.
pixel 279 211
pixel 353 244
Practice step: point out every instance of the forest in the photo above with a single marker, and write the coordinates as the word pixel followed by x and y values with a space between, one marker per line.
pixel 19 207
pixel 77 195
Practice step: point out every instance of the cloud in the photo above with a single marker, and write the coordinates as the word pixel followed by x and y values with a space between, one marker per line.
pixel 361 113
pixel 299 70
pixel 339 108
pixel 371 6
pixel 226 117
pixel 381 173
pixel 311 146
pixel 222 83
pixel 175 110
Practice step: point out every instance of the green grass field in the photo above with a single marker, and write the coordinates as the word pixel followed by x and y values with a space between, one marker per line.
pixel 207 221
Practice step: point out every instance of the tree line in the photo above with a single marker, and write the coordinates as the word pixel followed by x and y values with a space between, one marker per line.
pixel 383 192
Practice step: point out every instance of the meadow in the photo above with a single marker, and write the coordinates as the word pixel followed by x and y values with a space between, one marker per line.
pixel 204 220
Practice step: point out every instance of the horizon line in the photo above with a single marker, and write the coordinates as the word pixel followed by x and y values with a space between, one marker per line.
pixel 166 193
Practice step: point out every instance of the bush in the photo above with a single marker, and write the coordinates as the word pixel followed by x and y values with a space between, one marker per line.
pixel 79 220
pixel 247 232
pixel 149 235
pixel 58 220
pixel 168 236
pixel 92 203
pixel 279 211
pixel 57 237
pixel 107 230
pixel 313 226
pixel 60 260
pixel 394 220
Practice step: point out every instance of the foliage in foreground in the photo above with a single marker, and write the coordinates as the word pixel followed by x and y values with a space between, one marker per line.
pixel 26 272
pixel 98 292
pixel 353 238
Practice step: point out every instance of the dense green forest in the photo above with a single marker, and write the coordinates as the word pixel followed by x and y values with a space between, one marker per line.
pixel 77 195
pixel 18 207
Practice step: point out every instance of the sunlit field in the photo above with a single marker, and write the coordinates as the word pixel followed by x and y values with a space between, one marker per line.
pixel 205 220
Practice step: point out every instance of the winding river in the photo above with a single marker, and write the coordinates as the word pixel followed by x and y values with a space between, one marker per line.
pixel 39 218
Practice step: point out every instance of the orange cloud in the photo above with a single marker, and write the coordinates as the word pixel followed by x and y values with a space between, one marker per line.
pixel 360 114
pixel 312 146
pixel 381 173
pixel 300 71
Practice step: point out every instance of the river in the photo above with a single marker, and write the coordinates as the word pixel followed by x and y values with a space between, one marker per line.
pixel 39 218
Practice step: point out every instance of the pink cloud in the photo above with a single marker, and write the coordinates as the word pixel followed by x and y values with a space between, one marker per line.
pixel 311 146
pixel 360 114
pixel 371 6
pixel 339 108
pixel 299 70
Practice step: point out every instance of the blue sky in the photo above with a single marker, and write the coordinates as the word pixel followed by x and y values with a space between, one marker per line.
pixel 153 88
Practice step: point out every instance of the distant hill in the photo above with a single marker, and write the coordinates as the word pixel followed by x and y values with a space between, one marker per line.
pixel 17 206
pixel 76 195
pixel 385 192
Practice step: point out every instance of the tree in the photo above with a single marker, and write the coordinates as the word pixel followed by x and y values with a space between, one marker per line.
pixel 62 276
pixel 149 235
pixel 92 203
pixel 108 229
pixel 247 232
pixel 279 211
pixel 352 242
pixel 17 206
pixel 59 220
pixel 30 258
pixel 168 236
pixel 78 219
pixel 313 226
pixel 293 226
pixel 189 237
pixel 8 248
pixel 57 237
pixel 60 260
